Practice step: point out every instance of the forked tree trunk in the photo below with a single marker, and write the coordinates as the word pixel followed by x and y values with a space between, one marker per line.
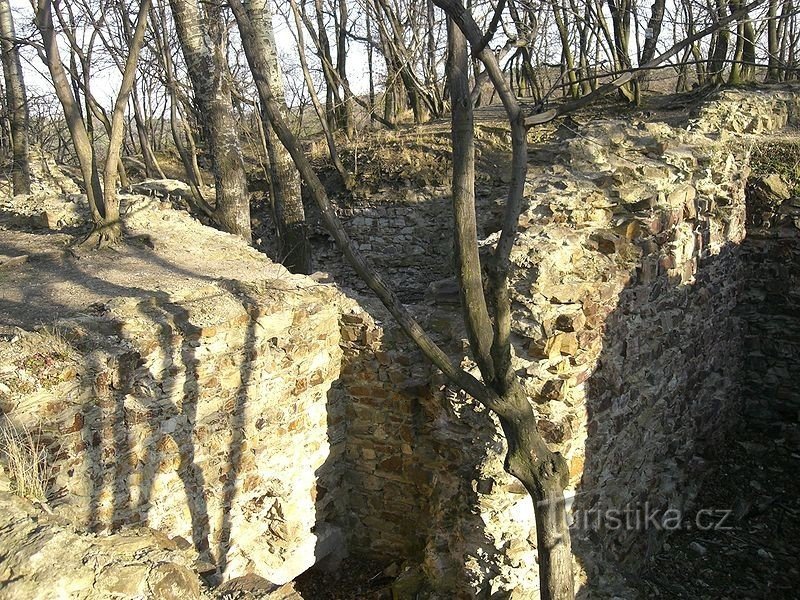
pixel 258 40
pixel 72 112
pixel 200 40
pixel 16 101
pixel 543 473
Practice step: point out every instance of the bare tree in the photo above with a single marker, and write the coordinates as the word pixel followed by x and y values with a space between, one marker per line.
pixel 103 200
pixel 162 39
pixel 16 101
pixel 258 40
pixel 347 179
pixel 201 29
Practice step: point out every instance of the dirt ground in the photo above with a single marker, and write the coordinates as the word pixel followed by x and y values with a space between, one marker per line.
pixel 44 277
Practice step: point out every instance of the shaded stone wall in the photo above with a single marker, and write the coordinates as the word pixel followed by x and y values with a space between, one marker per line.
pixel 406 234
pixel 396 232
pixel 771 307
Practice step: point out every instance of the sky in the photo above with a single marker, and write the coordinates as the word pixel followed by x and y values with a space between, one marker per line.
pixel 106 82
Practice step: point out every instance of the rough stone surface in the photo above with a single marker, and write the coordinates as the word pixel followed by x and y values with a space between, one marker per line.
pixel 255 419
pixel 192 403
pixel 44 557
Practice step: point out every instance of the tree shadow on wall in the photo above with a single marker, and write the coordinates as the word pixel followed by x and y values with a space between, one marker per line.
pixel 136 431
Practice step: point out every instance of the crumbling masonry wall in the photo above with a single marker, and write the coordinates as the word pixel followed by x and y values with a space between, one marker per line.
pixel 630 274
pixel 259 420
pixel 198 406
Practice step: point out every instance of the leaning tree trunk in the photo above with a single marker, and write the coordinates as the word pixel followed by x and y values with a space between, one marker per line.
pixel 112 228
pixel 72 111
pixel 258 40
pixel 16 101
pixel 207 66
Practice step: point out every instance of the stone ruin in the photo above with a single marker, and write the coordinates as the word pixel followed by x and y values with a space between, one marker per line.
pixel 250 422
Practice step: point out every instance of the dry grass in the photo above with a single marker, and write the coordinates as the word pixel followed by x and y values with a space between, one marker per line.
pixel 25 461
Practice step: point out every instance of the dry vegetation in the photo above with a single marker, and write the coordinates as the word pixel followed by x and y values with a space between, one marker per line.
pixel 25 461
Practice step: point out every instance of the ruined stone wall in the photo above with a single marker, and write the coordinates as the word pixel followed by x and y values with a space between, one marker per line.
pixel 253 421
pixel 406 234
pixel 628 275
pixel 771 306
pixel 204 414
pixel 43 558
pixel 398 232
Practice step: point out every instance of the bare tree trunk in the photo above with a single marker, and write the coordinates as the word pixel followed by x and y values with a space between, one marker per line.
pixel 773 73
pixel 72 112
pixel 719 50
pixel 347 179
pixel 345 109
pixel 653 31
pixel 567 60
pixel 333 98
pixel 200 40
pixel 188 158
pixel 370 51
pixel 745 43
pixel 16 101
pixel 152 167
pixel 258 40
pixel 621 20
pixel 112 230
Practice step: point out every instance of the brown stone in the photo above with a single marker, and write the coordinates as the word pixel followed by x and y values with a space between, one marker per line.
pixel 174 582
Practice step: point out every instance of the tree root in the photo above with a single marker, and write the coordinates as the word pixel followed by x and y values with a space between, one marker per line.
pixel 101 236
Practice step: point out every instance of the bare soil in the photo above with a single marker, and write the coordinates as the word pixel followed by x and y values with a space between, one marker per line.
pixel 44 277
